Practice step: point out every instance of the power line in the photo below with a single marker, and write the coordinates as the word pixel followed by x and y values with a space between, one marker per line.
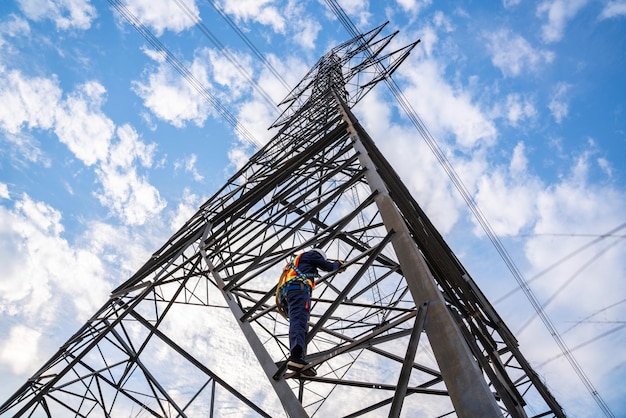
pixel 585 319
pixel 585 343
pixel 571 235
pixel 251 45
pixel 233 59
pixel 564 259
pixel 182 70
pixel 593 259
pixel 480 217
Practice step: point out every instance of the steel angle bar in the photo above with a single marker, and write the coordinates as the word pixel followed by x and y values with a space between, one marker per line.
pixel 370 51
pixel 435 248
pixel 391 68
pixel 200 391
pixel 331 309
pixel 263 228
pixel 347 50
pixel 373 385
pixel 157 261
pixel 92 372
pixel 335 227
pixel 492 366
pixel 392 270
pixel 387 401
pixel 155 387
pixel 326 279
pixel 235 280
pixel 197 363
pixel 360 42
pixel 65 405
pixel 409 359
pixel 62 354
pixel 283 390
pixel 270 308
pixel 373 306
pixel 84 395
pixel 367 340
pixel 115 385
pixel 246 201
pixel 353 241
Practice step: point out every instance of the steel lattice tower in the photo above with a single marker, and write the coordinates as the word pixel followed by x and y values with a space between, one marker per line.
pixel 404 329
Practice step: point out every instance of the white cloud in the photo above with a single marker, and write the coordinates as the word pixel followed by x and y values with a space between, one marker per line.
pixel 307 32
pixel 444 109
pixel 405 151
pixel 513 55
pixel 358 8
pixel 129 149
pixel 260 11
pixel 226 73
pixel 613 9
pixel 579 207
pixel 4 191
pixel 81 125
pixel 558 13
pixel 255 116
pixel 13 26
pixel 414 6
pixel 189 164
pixel 440 20
pixel 164 15
pixel 507 195
pixel 24 149
pixel 518 109
pixel 510 3
pixel 558 102
pixel 39 262
pixel 187 206
pixel 103 238
pixel 171 97
pixel 519 162
pixel 125 192
pixel 429 39
pixel 27 102
pixel 605 166
pixel 20 351
pixel 66 14
pixel 239 155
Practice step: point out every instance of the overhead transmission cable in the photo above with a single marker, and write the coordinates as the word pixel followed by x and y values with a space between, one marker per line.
pixel 585 319
pixel 599 238
pixel 231 57
pixel 562 287
pixel 586 343
pixel 251 45
pixel 182 70
pixel 480 217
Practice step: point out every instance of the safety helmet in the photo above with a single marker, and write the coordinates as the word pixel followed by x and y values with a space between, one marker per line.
pixel 320 252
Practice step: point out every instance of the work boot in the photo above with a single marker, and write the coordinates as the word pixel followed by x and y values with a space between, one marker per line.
pixel 299 364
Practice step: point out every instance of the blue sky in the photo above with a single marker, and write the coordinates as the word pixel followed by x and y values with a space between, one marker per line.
pixel 105 150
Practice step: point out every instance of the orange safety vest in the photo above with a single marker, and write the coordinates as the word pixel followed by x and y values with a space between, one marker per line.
pixel 289 274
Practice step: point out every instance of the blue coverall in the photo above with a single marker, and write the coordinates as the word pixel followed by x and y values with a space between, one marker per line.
pixel 299 300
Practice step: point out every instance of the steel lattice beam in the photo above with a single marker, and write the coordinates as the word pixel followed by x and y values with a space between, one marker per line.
pixel 320 181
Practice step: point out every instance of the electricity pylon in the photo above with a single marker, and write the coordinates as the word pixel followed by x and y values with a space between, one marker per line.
pixel 404 330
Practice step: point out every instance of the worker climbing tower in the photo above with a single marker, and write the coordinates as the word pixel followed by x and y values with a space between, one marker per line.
pixel 404 330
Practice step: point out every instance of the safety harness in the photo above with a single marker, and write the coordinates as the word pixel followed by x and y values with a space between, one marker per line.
pixel 292 279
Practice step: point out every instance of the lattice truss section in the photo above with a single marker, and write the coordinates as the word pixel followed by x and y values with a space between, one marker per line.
pixel 156 348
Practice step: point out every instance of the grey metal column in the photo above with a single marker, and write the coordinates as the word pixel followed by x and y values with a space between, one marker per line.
pixel 468 389
pixel 292 405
